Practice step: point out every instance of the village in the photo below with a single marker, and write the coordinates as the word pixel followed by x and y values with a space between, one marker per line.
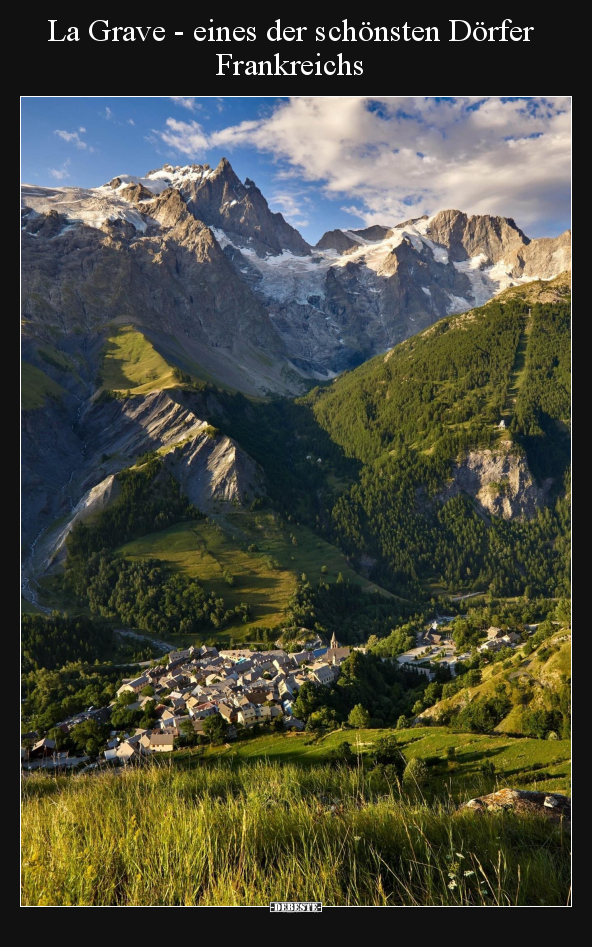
pixel 242 688
pixel 435 646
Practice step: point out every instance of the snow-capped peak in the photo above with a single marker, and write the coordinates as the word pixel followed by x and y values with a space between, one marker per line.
pixel 157 181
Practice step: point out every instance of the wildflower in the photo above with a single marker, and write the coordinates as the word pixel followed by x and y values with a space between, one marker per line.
pixel 452 874
pixel 452 885
pixel 468 874
pixel 459 855
pixel 357 838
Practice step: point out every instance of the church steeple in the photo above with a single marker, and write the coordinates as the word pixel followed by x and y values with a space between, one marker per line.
pixel 334 643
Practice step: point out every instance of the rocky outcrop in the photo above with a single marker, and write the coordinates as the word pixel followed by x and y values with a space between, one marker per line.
pixel 467 237
pixel 51 547
pixel 211 469
pixel 214 471
pixel 373 234
pixel 221 200
pixel 344 241
pixel 553 806
pixel 420 285
pixel 134 193
pixel 117 431
pixel 499 481
pixel 336 240
pixel 542 258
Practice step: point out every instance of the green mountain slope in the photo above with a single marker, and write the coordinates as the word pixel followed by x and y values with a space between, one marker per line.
pixel 444 389
pixel 36 387
pixel 534 686
pixel 444 494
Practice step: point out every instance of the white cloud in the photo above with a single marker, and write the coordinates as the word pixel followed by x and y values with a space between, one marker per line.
pixel 186 102
pixel 82 129
pixel 187 137
pixel 130 121
pixel 290 204
pixel 72 137
pixel 394 157
pixel 62 172
pixel 107 114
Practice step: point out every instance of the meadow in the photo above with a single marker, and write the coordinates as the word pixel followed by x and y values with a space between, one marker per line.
pixel 518 762
pixel 264 577
pixel 131 363
pixel 250 834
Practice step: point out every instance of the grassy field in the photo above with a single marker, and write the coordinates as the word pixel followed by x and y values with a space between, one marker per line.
pixel 518 762
pixel 130 362
pixel 247 835
pixel 264 579
pixel 36 386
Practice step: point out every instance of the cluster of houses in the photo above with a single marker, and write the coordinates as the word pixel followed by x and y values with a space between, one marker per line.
pixel 498 639
pixel 435 646
pixel 243 687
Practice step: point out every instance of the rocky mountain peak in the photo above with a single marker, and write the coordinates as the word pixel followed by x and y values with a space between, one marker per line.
pixel 222 201
pixel 467 237
pixel 225 171
pixel 336 240
pixel 220 251
pixel 373 233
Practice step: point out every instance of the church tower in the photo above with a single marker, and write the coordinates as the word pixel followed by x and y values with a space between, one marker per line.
pixel 334 643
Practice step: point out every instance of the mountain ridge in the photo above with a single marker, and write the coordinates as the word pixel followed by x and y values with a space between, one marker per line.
pixel 313 310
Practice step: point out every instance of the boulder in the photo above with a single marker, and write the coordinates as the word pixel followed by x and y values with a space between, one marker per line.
pixel 553 806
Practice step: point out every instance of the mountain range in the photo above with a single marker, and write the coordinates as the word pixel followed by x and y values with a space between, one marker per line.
pixel 176 313
pixel 229 289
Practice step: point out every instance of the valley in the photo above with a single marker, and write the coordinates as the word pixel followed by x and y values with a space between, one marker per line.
pixel 295 551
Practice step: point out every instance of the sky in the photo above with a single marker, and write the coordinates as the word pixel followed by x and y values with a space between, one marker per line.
pixel 325 161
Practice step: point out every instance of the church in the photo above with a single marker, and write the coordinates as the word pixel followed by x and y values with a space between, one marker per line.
pixel 335 653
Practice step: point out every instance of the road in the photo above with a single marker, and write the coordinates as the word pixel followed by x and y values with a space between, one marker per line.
pixel 460 598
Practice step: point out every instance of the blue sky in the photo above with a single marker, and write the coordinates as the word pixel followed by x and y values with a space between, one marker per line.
pixel 325 161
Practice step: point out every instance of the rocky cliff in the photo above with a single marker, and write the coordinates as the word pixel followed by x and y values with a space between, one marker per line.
pixel 213 471
pixel 499 481
pixel 465 237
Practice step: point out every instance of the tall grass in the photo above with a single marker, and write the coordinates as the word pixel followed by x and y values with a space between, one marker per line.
pixel 248 835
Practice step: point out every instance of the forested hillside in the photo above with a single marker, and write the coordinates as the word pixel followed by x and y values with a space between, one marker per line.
pixel 412 417
pixel 403 463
